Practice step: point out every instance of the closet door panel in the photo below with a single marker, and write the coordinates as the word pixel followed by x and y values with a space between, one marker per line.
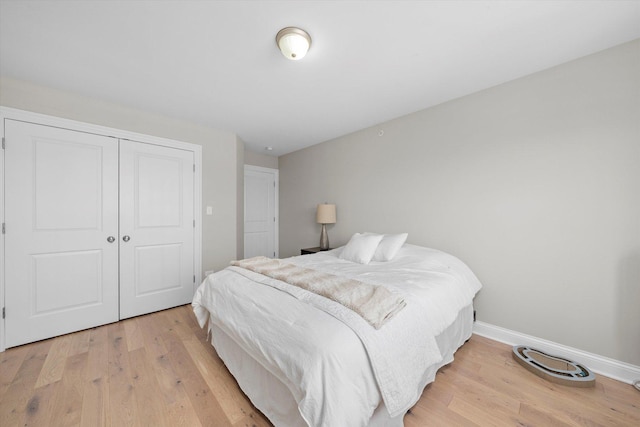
pixel 61 207
pixel 156 227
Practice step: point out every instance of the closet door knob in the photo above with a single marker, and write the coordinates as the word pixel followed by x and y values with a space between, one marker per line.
pixel 111 239
pixel 126 238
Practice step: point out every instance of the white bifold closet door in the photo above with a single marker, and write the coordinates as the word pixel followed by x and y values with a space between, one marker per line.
pixel 98 229
pixel 61 207
pixel 156 227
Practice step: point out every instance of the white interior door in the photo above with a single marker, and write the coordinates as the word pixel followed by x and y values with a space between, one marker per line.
pixel 61 208
pixel 157 227
pixel 260 215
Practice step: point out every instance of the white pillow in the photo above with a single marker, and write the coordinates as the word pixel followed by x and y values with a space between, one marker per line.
pixel 361 248
pixel 389 246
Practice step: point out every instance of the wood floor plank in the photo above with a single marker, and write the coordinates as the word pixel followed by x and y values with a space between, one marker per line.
pixel 40 405
pixel 430 412
pixel 123 404
pixel 152 334
pixel 177 323
pixel 614 393
pixel 202 398
pixel 474 411
pixel 151 405
pixel 225 390
pixel 484 396
pixel 98 354
pixel 54 364
pixel 181 414
pixel 253 419
pixel 96 401
pixel 80 342
pixel 161 369
pixel 536 414
pixel 10 362
pixel 66 406
pixel 134 336
pixel 96 411
pixel 190 319
pixel 186 311
pixel 14 403
pixel 442 393
pixel 169 382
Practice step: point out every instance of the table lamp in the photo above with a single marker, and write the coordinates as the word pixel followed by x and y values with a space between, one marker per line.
pixel 325 214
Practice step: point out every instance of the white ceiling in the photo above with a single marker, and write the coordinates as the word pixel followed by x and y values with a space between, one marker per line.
pixel 216 62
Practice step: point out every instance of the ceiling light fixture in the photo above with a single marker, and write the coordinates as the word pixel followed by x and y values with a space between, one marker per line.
pixel 293 42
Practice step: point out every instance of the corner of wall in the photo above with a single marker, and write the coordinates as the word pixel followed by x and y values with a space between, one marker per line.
pixel 240 156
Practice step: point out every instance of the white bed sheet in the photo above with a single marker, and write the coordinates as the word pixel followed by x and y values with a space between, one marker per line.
pixel 326 369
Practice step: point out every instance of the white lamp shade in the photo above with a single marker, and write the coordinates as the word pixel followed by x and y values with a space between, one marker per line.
pixel 326 214
pixel 293 43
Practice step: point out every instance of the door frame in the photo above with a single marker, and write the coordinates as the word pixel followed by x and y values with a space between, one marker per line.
pixel 43 119
pixel 276 202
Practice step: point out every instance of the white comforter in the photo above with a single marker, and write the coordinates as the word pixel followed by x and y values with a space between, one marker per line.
pixel 303 339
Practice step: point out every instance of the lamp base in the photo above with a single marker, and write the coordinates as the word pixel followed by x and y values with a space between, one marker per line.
pixel 324 238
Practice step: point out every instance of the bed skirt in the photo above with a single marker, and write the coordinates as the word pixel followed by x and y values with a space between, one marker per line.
pixel 276 402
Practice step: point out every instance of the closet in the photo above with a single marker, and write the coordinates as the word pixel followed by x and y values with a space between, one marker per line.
pixel 100 225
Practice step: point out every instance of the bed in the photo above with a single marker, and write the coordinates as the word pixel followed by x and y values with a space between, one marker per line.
pixel 306 360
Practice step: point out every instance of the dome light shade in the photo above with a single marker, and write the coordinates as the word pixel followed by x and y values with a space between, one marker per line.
pixel 293 42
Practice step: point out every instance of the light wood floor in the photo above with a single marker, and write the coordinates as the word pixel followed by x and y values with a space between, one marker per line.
pixel 158 369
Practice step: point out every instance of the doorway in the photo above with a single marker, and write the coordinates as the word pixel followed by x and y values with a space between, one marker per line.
pixel 260 212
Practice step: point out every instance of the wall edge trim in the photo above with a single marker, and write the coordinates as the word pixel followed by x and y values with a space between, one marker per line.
pixel 602 365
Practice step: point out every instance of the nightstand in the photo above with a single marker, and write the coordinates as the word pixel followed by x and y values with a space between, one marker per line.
pixel 309 251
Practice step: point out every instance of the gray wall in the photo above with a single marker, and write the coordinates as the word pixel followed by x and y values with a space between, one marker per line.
pixel 221 154
pixel 257 159
pixel 535 184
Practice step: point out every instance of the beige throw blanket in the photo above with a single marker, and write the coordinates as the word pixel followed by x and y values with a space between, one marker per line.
pixel 373 303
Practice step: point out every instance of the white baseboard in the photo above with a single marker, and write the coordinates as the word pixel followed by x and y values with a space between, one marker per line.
pixel 611 368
